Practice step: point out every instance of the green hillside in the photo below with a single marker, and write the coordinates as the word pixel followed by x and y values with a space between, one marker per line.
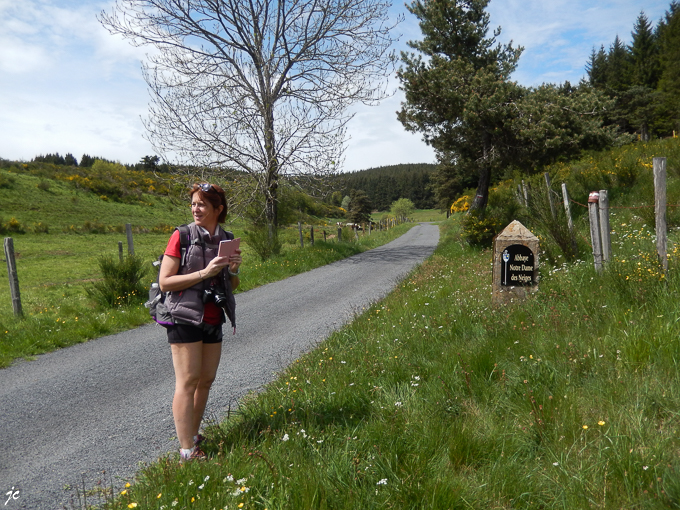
pixel 38 202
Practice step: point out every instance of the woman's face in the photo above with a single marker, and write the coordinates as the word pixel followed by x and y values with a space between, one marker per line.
pixel 205 215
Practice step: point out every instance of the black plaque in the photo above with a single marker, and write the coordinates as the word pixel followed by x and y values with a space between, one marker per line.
pixel 517 266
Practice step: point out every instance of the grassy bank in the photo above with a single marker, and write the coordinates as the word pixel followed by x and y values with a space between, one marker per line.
pixel 433 398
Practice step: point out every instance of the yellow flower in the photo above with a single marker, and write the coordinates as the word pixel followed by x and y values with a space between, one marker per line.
pixel 600 423
pixel 240 505
pixel 585 427
pixel 127 485
pixel 159 495
pixel 123 493
pixel 132 505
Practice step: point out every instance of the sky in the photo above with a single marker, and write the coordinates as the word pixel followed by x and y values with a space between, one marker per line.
pixel 68 86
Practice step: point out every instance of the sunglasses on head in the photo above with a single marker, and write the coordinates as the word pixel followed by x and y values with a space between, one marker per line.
pixel 206 187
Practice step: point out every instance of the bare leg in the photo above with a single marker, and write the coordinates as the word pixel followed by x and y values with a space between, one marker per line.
pixel 210 363
pixel 187 360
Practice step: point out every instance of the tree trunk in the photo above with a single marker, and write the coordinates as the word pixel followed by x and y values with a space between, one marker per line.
pixel 482 193
pixel 644 132
pixel 271 172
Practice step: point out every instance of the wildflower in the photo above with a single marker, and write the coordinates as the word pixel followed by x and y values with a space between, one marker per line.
pixel 285 437
pixel 382 482
pixel 241 481
pixel 123 493
pixel 585 427
pixel 228 478
pixel 556 463
pixel 645 468
pixel 159 495
pixel 132 505
pixel 600 423
pixel 398 404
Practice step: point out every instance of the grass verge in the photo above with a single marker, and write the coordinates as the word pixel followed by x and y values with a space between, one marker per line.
pixel 435 399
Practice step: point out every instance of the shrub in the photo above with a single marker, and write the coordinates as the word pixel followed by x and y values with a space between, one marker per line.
pixel 121 282
pixel 13 226
pixel 43 185
pixel 6 180
pixel 40 228
pixel 257 238
pixel 479 228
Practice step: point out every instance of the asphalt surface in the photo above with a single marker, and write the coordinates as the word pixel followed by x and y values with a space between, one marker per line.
pixel 93 412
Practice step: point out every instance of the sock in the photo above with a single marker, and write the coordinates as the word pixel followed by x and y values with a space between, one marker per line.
pixel 185 453
pixel 195 438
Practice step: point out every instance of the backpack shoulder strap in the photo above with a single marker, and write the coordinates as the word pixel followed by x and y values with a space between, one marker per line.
pixel 184 241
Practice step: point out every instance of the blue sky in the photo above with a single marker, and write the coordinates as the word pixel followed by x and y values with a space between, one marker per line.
pixel 66 85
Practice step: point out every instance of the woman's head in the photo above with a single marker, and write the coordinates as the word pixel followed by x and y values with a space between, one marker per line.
pixel 211 194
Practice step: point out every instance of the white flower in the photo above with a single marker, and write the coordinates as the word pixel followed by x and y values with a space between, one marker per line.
pixel 201 486
pixel 285 437
pixel 556 463
pixel 241 481
pixel 382 482
pixel 206 478
pixel 228 478
pixel 398 404
pixel 645 468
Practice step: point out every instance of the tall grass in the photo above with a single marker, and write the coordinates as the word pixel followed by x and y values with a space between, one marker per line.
pixel 433 398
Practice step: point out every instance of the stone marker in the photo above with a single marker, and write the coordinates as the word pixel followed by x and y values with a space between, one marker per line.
pixel 515 264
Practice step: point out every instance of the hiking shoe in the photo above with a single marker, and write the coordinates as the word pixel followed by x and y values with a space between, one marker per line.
pixel 196 454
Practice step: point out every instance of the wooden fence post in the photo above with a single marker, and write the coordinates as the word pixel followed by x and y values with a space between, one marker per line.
pixel 131 246
pixel 302 243
pixel 311 234
pixel 595 230
pixel 605 231
pixel 339 234
pixel 660 211
pixel 120 251
pixel 324 236
pixel 570 221
pixel 13 277
pixel 550 198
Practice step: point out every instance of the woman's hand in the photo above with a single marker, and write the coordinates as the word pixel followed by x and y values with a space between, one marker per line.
pixel 214 267
pixel 235 261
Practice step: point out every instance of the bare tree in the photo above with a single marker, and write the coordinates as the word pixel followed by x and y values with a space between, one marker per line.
pixel 262 86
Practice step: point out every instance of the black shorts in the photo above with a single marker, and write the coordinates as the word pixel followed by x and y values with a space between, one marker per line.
pixel 186 334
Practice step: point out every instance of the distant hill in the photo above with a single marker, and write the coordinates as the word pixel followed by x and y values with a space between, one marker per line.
pixel 385 184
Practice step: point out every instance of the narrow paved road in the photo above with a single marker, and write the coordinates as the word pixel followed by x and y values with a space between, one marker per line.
pixel 94 411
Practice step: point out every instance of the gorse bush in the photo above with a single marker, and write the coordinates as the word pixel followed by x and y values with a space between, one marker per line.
pixel 121 282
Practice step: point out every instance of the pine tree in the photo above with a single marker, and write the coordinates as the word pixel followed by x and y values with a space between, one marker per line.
pixel 597 68
pixel 618 66
pixel 669 82
pixel 459 95
pixel 644 55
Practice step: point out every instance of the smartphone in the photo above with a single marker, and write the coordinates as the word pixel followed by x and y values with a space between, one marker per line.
pixel 228 248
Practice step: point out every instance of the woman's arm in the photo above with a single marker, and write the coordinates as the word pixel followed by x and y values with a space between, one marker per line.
pixel 169 280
